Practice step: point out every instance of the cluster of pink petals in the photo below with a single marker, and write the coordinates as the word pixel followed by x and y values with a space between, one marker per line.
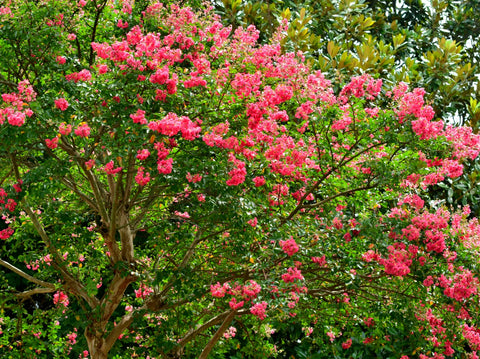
pixel 172 124
pixel 142 178
pixel 60 298
pixel 292 275
pixel 61 104
pixel 289 246
pixel 143 291
pixel 258 309
pixel 82 130
pixel 83 75
pixel 240 293
pixel 17 109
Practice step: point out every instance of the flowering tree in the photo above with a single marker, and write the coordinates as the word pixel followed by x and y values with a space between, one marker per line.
pixel 170 188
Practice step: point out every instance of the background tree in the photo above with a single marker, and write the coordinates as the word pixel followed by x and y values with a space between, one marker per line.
pixel 168 183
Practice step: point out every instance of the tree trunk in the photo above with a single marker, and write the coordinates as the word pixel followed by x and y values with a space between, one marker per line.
pixel 96 343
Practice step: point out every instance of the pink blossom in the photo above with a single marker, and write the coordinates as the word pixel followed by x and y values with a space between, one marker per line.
pixel 319 260
pixel 72 338
pixel 259 181
pixel 102 69
pixel 251 290
pixel 171 125
pixel 16 118
pixel 218 290
pixel 83 75
pixel 90 163
pixel 5 10
pixel 61 104
pixel 61 60
pixel 230 333
pixel 235 305
pixel 139 117
pixel 65 129
pixel 47 260
pixel 331 335
pixel 472 335
pixel 238 173
pixel 258 309
pixel 60 297
pixel 289 246
pixel 143 291
pixel 160 76
pixel 18 187
pixel 165 166
pixel 53 143
pixel 142 178
pixel 292 275
pixel 71 37
pixel 143 154
pixel 110 169
pixel 370 256
pixel 83 130
pixel 6 233
pixel 347 344
pixel 11 204
pixel 121 24
pixel 193 178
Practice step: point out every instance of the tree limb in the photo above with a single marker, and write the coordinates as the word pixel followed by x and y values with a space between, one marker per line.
pixel 26 276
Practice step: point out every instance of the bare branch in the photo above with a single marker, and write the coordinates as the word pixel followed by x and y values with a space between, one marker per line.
pixel 26 276
pixel 211 343
pixel 34 291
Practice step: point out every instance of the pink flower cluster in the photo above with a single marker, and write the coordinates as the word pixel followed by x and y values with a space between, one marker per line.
pixel 258 309
pixel 52 143
pixel 110 169
pixel 361 86
pixel 472 335
pixel 82 130
pixel 289 246
pixel 17 109
pixel 399 260
pixel 238 173
pixel 83 75
pixel 142 178
pixel 143 154
pixel 292 275
pixel 240 293
pixel 61 104
pixel 230 333
pixel 143 291
pixel 464 286
pixel 171 125
pixel 139 117
pixel 60 297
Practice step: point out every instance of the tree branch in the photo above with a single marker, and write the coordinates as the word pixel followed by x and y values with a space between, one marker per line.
pixel 26 276
pixel 211 343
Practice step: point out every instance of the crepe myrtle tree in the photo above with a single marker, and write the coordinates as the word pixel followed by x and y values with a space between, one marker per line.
pixel 170 188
